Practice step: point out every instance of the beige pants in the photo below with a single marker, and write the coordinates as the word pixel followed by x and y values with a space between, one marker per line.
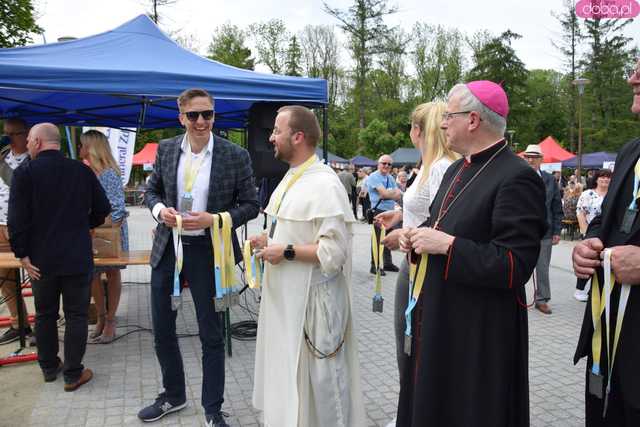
pixel 8 277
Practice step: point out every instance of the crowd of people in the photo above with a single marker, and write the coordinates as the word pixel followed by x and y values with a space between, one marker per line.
pixel 473 219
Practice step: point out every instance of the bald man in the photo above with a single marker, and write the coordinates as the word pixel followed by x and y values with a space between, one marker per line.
pixel 53 204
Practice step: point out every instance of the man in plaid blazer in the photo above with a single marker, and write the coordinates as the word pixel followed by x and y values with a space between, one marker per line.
pixel 194 175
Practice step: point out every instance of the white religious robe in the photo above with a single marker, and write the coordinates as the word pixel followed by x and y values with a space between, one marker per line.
pixel 292 386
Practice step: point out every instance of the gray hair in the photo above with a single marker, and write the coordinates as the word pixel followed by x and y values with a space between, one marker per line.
pixel 469 102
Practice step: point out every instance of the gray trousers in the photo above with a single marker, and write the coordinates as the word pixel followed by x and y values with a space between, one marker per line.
pixel 543 292
pixel 399 306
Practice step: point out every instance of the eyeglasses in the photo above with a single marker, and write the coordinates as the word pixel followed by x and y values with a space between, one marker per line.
pixel 385 163
pixel 193 115
pixel 447 116
pixel 12 134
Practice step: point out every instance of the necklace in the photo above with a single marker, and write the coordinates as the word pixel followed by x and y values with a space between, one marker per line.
pixel 442 212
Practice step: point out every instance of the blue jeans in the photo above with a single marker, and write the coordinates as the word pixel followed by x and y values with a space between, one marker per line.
pixel 197 271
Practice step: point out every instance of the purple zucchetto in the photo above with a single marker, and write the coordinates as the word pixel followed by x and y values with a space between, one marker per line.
pixel 491 95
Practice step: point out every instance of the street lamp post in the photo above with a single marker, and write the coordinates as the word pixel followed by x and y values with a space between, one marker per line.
pixel 580 83
pixel 511 134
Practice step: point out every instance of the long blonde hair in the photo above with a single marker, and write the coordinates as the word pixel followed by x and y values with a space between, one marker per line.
pixel 100 156
pixel 427 117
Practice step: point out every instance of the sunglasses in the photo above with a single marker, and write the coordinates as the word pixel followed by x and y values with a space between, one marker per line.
pixel 193 115
pixel 385 163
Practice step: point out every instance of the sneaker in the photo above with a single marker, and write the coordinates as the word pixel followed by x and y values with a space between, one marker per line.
pixel 159 409
pixel 12 335
pixel 581 295
pixel 216 420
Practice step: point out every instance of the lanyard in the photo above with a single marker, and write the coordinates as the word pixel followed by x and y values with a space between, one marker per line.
pixel 190 173
pixel 622 307
pixel 295 177
pixel 177 247
pixel 417 274
pixel 253 266
pixel 377 248
pixel 636 190
pixel 600 304
pixel 222 254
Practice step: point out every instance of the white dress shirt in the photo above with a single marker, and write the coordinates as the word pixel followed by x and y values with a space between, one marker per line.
pixel 200 190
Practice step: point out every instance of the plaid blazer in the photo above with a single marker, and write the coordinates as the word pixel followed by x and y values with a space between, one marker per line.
pixel 231 187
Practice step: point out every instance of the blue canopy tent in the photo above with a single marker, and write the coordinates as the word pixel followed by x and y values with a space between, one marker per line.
pixel 130 77
pixel 362 161
pixel 591 160
pixel 332 158
pixel 405 156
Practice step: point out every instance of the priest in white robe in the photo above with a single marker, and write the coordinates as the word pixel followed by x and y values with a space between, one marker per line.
pixel 306 368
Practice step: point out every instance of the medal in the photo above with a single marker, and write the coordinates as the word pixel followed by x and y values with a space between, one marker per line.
pixel 186 202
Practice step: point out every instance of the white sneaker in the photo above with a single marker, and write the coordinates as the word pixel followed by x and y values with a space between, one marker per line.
pixel 581 295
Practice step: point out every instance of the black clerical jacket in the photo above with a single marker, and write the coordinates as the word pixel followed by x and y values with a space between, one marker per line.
pixel 471 367
pixel 605 226
pixel 53 203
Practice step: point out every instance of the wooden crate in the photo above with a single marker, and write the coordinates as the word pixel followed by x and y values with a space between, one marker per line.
pixel 106 242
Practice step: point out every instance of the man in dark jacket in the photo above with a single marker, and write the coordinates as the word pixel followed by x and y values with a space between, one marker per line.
pixel 553 206
pixel 612 394
pixel 53 204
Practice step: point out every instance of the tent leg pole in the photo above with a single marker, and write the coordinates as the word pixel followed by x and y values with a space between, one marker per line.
pixel 143 114
pixel 72 151
pixel 325 133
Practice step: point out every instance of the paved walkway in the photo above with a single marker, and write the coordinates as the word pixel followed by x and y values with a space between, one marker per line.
pixel 127 375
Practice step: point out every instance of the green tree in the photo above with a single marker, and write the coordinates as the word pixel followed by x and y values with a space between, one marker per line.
pixel 293 58
pixel 376 139
pixel 438 60
pixel 271 43
pixel 607 121
pixel 320 57
pixel 363 23
pixel 228 47
pixel 546 111
pixel 17 23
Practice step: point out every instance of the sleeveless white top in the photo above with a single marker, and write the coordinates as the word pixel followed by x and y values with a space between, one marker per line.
pixel 417 199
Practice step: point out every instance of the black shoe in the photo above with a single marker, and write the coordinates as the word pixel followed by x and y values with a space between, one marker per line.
pixel 372 270
pixel 159 409
pixel 391 267
pixel 52 376
pixel 12 335
pixel 216 420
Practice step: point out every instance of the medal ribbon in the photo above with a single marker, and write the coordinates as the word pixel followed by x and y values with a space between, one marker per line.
pixel 253 266
pixel 622 307
pixel 377 248
pixel 417 274
pixel 179 255
pixel 223 259
pixel 190 173
pixel 636 190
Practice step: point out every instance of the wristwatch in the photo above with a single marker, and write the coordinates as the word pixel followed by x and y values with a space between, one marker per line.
pixel 289 253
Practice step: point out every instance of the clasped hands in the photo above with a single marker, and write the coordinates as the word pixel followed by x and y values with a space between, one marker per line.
pixel 273 254
pixel 190 221
pixel 422 239
pixel 625 261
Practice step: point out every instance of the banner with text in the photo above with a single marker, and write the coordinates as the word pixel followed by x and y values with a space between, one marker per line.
pixel 122 144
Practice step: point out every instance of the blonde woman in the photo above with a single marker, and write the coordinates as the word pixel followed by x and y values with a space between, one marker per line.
pixel 427 137
pixel 96 152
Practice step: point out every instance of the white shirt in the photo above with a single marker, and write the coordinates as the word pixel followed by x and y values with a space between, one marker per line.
pixel 417 199
pixel 200 190
pixel 13 160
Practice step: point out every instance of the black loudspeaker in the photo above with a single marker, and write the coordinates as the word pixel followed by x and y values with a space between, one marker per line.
pixel 262 116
